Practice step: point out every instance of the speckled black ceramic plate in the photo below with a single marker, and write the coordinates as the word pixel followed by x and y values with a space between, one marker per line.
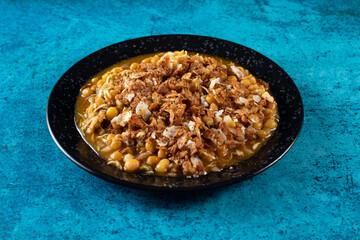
pixel 61 108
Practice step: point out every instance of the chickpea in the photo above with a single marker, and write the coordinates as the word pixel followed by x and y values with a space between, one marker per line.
pixel 115 125
pixel 257 125
pixel 223 76
pixel 146 60
pixel 150 146
pixel 162 153
pixel 116 69
pixel 270 124
pixel 111 113
pixel 105 149
pixel 116 137
pixel 115 145
pixel 261 92
pixel 252 79
pixel 272 105
pixel 232 79
pixel 128 157
pixel 110 137
pixel 210 99
pixel 264 134
pixel 208 120
pixel 134 66
pixel 132 165
pixel 213 107
pixel 152 160
pixel 162 166
pixel 99 101
pixel 116 156
pixel 119 104
pixel 245 82
pixel 103 77
pixel 87 92
pixel 268 112
pixel 113 93
pixel 253 87
pixel 155 59
pixel 195 85
pixel 100 82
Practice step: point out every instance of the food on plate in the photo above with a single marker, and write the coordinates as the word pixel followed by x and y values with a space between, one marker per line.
pixel 176 114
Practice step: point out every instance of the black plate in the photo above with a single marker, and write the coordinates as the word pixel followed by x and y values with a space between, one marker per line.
pixel 61 104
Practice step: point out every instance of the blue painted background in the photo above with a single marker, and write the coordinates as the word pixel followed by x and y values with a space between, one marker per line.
pixel 312 193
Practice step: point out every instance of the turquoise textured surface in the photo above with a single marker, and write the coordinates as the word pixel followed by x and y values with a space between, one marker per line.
pixel 312 193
